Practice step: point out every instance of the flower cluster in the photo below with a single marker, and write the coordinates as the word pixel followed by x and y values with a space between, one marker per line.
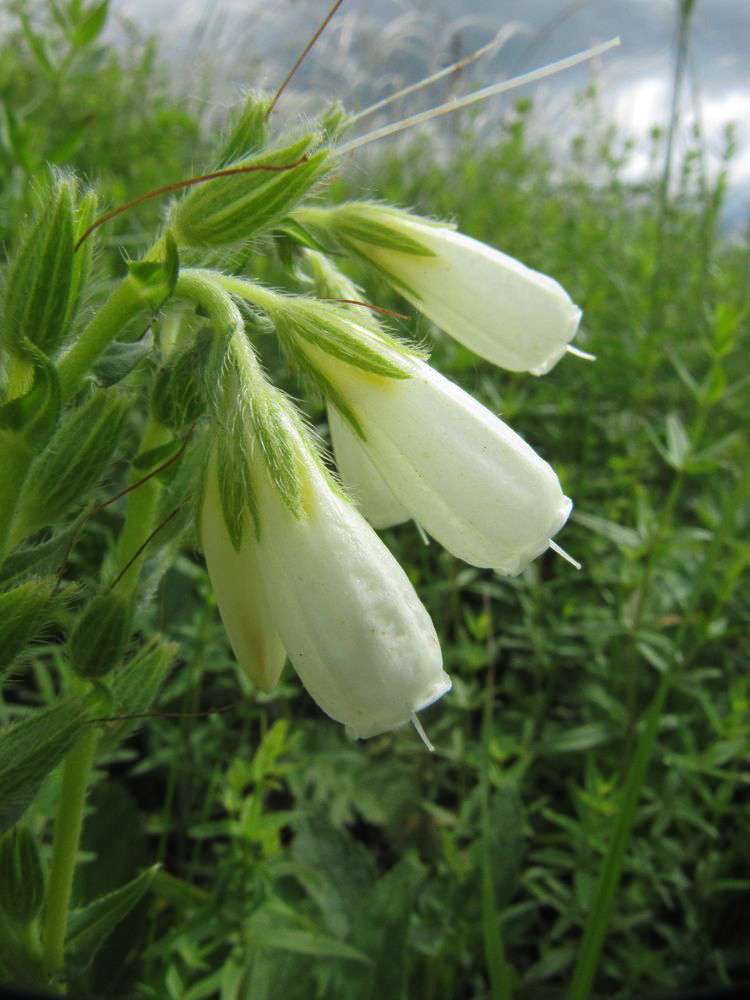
pixel 292 552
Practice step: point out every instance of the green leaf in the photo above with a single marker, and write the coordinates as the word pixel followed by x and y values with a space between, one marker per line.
pixel 30 749
pixel 35 414
pixel 91 24
pixel 90 926
pixel 37 46
pixel 305 943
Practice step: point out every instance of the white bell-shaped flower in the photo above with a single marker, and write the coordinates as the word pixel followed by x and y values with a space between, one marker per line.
pixel 235 578
pixel 468 479
pixel 513 316
pixel 354 629
pixel 373 496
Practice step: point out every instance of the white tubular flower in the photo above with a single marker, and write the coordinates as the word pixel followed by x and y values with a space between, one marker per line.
pixel 235 577
pixel 355 630
pixel 513 316
pixel 463 474
pixel 373 496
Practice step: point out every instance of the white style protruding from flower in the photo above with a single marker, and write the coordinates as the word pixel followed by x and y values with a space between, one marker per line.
pixel 357 634
pixel 468 479
pixel 235 578
pixel 504 311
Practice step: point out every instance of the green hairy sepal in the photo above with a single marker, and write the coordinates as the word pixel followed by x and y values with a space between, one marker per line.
pixel 335 330
pixel 230 210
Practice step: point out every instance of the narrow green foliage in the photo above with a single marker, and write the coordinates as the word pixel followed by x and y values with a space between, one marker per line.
pixel 77 456
pixel 24 613
pixel 230 210
pixel 40 276
pixel 89 927
pixel 30 749
pixel 100 635
pixel 21 875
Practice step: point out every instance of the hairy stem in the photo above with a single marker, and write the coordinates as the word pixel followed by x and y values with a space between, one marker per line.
pixel 68 824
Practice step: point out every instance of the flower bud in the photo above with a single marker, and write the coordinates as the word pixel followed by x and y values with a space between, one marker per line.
pixel 40 273
pixel 74 460
pixel 101 634
pixel 227 211
pixel 511 315
pixel 21 876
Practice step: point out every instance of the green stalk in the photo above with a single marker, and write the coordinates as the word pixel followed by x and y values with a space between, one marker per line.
pixel 142 503
pixel 610 873
pixel 68 823
pixel 125 302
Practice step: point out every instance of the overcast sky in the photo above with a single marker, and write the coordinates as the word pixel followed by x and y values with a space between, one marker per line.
pixel 372 46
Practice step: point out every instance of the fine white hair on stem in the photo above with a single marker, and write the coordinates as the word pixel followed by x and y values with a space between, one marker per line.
pixel 566 555
pixel 478 95
pixel 492 46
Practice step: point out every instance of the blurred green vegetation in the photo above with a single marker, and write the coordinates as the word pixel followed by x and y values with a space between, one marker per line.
pixel 298 864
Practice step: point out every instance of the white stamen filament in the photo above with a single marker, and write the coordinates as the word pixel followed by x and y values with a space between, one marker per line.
pixel 578 353
pixel 422 533
pixel 499 38
pixel 422 734
pixel 566 555
pixel 479 95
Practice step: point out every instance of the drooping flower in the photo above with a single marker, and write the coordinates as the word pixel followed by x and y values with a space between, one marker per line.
pixel 504 311
pixel 351 623
pixel 468 479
